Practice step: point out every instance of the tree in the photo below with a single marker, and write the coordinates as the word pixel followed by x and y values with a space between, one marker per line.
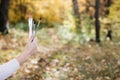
pixel 4 6
pixel 97 22
pixel 76 14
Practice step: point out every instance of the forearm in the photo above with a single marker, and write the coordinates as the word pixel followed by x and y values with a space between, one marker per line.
pixel 12 66
pixel 30 49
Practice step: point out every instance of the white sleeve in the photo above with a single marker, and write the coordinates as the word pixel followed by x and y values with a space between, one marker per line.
pixel 8 69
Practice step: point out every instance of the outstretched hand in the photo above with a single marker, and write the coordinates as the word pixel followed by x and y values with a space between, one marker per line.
pixel 30 49
pixel 31 46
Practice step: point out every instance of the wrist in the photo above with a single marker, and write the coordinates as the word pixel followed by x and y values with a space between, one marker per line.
pixel 23 57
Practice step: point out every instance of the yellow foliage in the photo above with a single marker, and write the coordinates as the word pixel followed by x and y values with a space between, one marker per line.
pixel 115 11
pixel 49 10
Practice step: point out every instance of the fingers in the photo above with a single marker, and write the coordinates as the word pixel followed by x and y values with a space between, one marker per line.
pixel 31 39
pixel 35 41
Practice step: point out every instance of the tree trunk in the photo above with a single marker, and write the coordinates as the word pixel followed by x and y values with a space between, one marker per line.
pixel 97 22
pixel 4 6
pixel 76 14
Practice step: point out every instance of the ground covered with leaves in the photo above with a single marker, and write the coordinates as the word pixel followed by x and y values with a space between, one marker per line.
pixel 58 60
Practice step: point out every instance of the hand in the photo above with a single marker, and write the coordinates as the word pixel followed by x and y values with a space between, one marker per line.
pixel 31 46
pixel 30 49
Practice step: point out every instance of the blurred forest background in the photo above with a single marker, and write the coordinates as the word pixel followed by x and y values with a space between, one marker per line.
pixel 78 39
